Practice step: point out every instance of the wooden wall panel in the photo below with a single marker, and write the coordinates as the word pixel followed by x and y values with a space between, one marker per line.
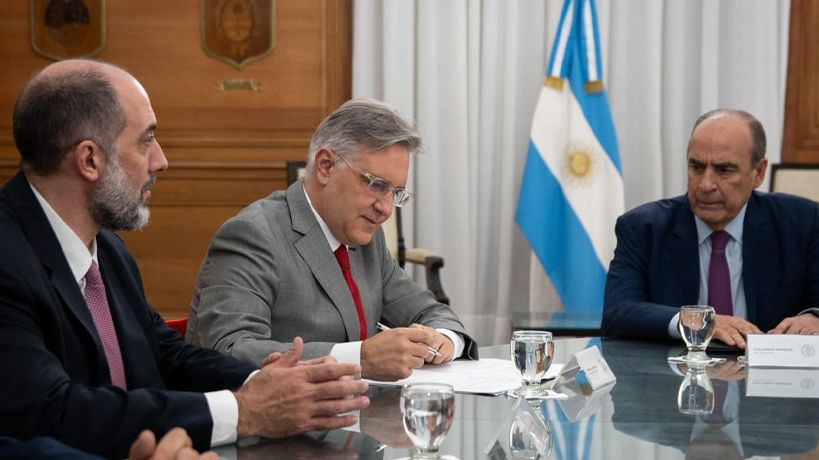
pixel 800 143
pixel 226 148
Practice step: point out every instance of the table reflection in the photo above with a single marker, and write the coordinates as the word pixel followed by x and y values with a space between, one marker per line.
pixel 638 418
pixel 731 425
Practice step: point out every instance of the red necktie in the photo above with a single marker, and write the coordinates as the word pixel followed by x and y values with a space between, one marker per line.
pixel 97 302
pixel 719 278
pixel 344 262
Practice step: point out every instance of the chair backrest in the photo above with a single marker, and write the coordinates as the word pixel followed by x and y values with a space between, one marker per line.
pixel 180 325
pixel 295 171
pixel 796 179
pixel 392 231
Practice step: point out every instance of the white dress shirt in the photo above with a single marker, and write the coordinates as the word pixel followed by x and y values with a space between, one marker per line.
pixel 224 409
pixel 350 352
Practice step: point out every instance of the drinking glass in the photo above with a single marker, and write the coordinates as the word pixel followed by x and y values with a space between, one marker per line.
pixel 696 326
pixel 532 353
pixel 696 394
pixel 428 410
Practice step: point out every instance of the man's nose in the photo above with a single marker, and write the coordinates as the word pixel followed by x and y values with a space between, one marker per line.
pixel 158 160
pixel 709 179
pixel 384 204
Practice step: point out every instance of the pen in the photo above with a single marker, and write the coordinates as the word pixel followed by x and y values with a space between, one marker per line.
pixel 384 327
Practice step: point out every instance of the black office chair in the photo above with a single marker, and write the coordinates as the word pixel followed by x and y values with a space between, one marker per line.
pixel 431 261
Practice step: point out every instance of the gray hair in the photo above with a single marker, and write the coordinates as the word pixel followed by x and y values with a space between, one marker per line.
pixel 54 113
pixel 362 122
pixel 758 139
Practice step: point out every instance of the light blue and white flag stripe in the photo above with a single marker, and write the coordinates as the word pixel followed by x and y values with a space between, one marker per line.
pixel 572 187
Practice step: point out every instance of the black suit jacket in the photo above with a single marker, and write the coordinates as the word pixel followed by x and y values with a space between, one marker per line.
pixel 655 268
pixel 40 448
pixel 55 375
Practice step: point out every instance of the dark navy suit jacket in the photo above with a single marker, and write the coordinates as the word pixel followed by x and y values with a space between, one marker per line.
pixel 40 448
pixel 656 268
pixel 55 376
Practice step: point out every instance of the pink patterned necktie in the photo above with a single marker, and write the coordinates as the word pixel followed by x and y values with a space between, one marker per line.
pixel 719 277
pixel 97 302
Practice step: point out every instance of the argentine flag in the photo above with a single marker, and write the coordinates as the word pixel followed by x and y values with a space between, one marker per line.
pixel 572 187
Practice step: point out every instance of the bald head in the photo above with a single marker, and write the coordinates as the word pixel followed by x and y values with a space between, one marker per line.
pixel 755 130
pixel 64 104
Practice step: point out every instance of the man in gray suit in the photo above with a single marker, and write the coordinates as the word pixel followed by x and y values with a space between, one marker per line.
pixel 277 269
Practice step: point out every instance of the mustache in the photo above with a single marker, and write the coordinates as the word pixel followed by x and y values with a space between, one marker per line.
pixel 150 183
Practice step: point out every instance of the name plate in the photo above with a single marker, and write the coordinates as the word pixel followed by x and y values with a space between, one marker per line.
pixel 588 368
pixel 782 383
pixel 782 350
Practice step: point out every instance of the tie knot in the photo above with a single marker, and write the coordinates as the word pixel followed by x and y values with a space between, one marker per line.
pixel 93 276
pixel 719 240
pixel 342 257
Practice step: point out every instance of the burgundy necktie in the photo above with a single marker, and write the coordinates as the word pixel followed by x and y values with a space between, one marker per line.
pixel 97 302
pixel 719 277
pixel 344 262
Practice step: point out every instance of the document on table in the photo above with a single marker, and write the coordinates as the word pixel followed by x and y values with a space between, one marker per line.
pixel 485 376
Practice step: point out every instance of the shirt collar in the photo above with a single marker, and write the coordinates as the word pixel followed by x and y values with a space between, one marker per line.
pixel 734 228
pixel 78 255
pixel 334 243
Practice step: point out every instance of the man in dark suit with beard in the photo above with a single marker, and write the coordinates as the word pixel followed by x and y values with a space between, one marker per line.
pixel 84 358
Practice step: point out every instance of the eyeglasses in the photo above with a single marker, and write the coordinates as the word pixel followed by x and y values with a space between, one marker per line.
pixel 379 187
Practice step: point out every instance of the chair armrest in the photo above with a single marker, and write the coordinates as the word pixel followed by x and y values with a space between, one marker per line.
pixel 432 263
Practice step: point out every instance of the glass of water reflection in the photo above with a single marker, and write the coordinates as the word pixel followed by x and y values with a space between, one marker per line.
pixel 696 326
pixel 532 353
pixel 428 410
pixel 696 393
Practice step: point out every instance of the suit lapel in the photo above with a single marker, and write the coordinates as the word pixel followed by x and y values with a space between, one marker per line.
pixel 315 251
pixel 755 239
pixel 44 243
pixel 683 253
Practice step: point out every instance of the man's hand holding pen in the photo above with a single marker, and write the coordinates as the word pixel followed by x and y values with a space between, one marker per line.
pixel 392 354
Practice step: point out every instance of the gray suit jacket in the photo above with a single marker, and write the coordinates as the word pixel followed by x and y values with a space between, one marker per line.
pixel 270 275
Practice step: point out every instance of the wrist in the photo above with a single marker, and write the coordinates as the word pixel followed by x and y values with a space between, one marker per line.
pixel 244 426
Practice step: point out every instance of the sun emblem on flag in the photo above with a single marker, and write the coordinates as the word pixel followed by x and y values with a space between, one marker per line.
pixel 580 162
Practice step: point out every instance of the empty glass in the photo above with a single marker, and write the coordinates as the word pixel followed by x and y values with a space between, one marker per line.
pixel 696 393
pixel 428 410
pixel 532 353
pixel 696 326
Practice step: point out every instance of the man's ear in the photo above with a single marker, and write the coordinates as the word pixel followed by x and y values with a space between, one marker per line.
pixel 759 172
pixel 88 159
pixel 324 163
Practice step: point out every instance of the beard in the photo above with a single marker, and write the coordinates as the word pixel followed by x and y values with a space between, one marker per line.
pixel 115 204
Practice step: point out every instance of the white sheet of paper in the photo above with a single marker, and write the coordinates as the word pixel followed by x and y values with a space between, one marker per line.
pixel 485 376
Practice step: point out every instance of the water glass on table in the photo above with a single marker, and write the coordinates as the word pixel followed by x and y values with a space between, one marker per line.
pixel 697 324
pixel 428 410
pixel 532 353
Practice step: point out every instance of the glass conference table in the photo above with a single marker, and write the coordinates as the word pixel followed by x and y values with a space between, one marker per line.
pixel 638 418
